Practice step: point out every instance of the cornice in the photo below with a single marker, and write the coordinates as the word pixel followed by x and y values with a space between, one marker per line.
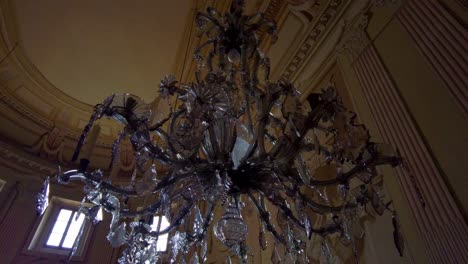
pixel 317 31
pixel 18 159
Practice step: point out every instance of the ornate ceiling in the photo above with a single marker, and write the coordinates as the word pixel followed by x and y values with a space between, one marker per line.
pixel 90 49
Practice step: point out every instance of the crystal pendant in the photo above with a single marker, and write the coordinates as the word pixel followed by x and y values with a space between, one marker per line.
pixel 42 198
pixel 261 237
pixel 231 229
pixel 194 259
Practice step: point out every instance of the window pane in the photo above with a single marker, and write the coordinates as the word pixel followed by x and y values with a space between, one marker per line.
pixel 164 223
pixel 59 228
pixel 99 216
pixel 73 231
pixel 54 239
pixel 162 240
pixel 64 215
pixel 162 243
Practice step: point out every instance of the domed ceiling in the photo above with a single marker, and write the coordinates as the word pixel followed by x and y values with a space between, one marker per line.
pixel 89 49
pixel 62 57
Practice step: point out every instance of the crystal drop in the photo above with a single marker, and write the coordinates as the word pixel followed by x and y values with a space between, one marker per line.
pixel 231 229
pixel 148 181
pixel 377 201
pixel 117 237
pixel 275 258
pixel 298 205
pixel 198 222
pixel 308 226
pixel 343 190
pixel 291 257
pixel 326 252
pixel 204 250
pixel 233 56
pixel 42 198
pixel 397 235
pixel 194 259
pixel 262 238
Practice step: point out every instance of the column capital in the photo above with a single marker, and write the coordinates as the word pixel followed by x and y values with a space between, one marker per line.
pixel 355 38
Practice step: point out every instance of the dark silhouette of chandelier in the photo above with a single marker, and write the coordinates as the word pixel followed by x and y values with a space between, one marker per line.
pixel 236 137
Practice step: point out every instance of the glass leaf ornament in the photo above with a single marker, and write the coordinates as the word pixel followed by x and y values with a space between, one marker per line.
pixel 117 236
pixel 92 214
pixel 198 221
pixel 42 198
pixel 204 251
pixel 397 235
pixel 148 181
pixel 262 238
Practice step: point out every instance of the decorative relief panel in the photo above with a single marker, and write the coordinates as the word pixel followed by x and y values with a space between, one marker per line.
pixel 315 32
pixel 51 145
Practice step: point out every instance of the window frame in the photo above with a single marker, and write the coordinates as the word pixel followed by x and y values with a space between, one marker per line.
pixel 65 232
pixel 43 229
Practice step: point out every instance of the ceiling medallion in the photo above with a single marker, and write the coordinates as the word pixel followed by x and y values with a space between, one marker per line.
pixel 235 138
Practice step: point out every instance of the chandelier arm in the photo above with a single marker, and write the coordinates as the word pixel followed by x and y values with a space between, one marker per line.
pixel 167 181
pixel 255 68
pixel 214 143
pixel 286 211
pixel 311 147
pixel 203 45
pixel 270 137
pixel 81 141
pixel 209 60
pixel 156 153
pixel 265 217
pixel 261 131
pixel 158 125
pixel 116 147
pixel 245 87
pixel 87 177
pixel 316 207
pixel 346 177
pixel 153 208
pixel 209 18
pixel 290 215
pixel 261 124
pixel 164 136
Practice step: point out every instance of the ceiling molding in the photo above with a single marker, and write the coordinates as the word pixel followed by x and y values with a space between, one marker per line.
pixel 314 34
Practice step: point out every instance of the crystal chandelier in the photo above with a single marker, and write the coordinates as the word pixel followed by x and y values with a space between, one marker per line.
pixel 235 137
